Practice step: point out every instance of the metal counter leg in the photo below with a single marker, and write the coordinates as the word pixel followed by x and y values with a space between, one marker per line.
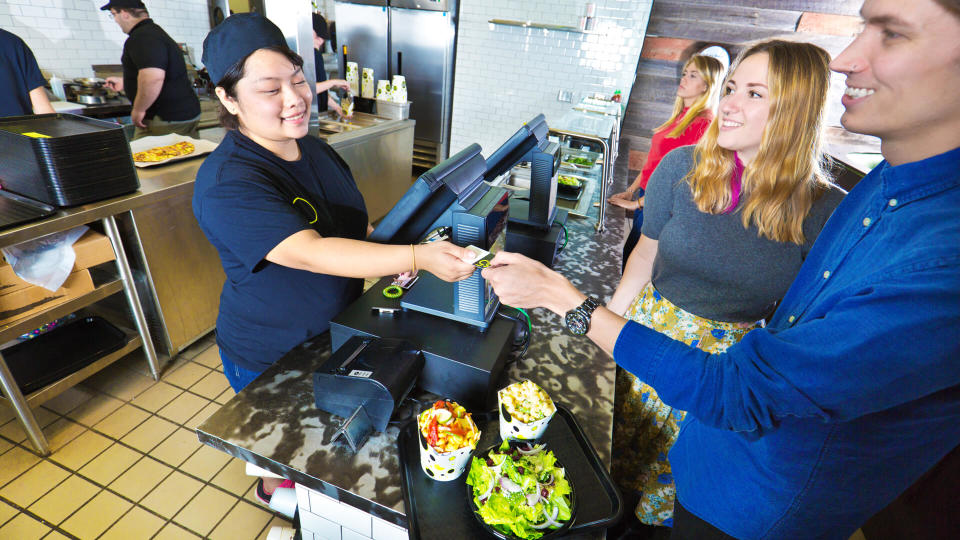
pixel 604 181
pixel 12 392
pixel 130 289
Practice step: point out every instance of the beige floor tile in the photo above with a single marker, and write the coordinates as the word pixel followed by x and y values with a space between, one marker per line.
pixel 79 451
pixel 155 397
pixel 69 400
pixel 174 532
pixel 137 523
pixel 149 434
pixel 183 408
pixel 206 462
pixel 14 431
pixel 5 445
pixel 177 447
pixel 14 462
pixel 95 409
pixel 7 512
pixel 123 384
pixel 234 478
pixel 202 416
pixel 225 396
pixel 96 516
pixel 54 535
pixel 275 522
pixel 23 527
pixel 122 421
pixel 187 375
pixel 110 464
pixel 64 500
pixel 211 386
pixel 34 483
pixel 243 521
pixel 172 494
pixel 61 432
pixel 140 479
pixel 205 510
pixel 209 357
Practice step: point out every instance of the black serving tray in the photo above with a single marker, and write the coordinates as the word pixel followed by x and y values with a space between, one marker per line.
pixel 67 349
pixel 440 510
pixel 15 209
pixel 569 193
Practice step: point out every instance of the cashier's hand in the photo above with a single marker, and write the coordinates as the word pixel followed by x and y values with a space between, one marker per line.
pixel 525 283
pixel 339 83
pixel 114 83
pixel 625 200
pixel 137 117
pixel 445 260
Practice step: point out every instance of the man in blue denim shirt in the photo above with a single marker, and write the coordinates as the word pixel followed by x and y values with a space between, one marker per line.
pixel 808 427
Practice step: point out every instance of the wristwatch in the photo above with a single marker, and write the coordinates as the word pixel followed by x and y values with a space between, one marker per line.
pixel 578 318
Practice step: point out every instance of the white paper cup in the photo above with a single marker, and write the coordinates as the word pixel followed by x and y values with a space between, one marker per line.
pixel 444 466
pixel 383 89
pixel 353 77
pixel 366 83
pixel 398 89
pixel 513 429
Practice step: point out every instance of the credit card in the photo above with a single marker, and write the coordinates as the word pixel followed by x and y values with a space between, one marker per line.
pixel 405 283
pixel 481 257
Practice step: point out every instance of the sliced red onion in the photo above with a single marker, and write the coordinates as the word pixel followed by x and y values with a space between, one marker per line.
pixel 489 490
pixel 550 520
pixel 531 451
pixel 533 498
pixel 509 485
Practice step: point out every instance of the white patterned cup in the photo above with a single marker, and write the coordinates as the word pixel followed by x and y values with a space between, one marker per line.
pixel 398 89
pixel 353 77
pixel 513 428
pixel 383 89
pixel 366 83
pixel 443 466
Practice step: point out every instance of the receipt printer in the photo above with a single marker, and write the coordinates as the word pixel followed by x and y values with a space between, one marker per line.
pixel 364 381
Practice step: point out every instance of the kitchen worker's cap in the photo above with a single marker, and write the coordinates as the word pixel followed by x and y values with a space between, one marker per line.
pixel 121 4
pixel 234 39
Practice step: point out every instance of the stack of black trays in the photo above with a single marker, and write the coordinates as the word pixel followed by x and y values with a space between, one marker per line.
pixel 64 159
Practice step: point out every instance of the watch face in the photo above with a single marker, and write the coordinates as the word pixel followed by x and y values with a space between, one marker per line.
pixel 576 322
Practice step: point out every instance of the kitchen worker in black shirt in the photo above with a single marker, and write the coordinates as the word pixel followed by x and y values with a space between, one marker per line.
pixel 154 75
pixel 21 83
pixel 321 33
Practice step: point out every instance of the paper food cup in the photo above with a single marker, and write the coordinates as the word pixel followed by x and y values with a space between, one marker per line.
pixel 398 89
pixel 383 89
pixel 353 77
pixel 366 83
pixel 443 466
pixel 512 428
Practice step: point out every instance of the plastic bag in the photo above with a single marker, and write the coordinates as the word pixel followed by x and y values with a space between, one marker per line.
pixel 46 261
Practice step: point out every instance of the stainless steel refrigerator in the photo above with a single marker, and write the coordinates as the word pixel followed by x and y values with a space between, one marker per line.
pixel 413 38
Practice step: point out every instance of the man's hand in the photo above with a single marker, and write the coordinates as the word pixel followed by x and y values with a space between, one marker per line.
pixel 137 117
pixel 114 83
pixel 525 283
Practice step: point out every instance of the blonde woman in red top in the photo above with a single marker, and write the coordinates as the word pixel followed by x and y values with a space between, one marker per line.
pixel 693 110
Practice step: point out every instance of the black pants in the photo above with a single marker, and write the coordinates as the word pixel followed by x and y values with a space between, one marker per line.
pixel 687 526
pixel 634 235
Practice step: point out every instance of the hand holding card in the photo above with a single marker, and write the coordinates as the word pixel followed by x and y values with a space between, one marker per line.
pixel 481 257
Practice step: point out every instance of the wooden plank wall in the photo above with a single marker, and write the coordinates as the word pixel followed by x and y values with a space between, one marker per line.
pixel 679 28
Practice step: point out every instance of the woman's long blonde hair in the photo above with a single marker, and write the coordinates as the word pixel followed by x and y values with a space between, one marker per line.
pixel 781 183
pixel 711 70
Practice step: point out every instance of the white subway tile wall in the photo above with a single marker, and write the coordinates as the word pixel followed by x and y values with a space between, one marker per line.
pixel 505 74
pixel 68 36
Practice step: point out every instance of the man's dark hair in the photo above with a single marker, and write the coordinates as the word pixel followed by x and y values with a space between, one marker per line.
pixel 235 73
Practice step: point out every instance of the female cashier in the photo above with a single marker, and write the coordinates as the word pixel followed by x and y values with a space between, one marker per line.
pixel 693 110
pixel 282 208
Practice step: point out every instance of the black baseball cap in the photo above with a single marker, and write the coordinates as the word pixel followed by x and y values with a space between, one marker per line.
pixel 120 4
pixel 234 39
pixel 320 26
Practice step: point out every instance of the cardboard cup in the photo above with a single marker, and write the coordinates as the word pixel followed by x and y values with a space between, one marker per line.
pixel 513 429
pixel 444 466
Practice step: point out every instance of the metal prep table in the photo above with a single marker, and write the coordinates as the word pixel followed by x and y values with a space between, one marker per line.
pixel 595 128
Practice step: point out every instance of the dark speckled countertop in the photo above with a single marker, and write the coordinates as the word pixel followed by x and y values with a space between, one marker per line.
pixel 274 424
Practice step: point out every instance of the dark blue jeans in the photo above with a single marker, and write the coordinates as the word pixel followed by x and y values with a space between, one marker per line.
pixel 238 377
pixel 634 235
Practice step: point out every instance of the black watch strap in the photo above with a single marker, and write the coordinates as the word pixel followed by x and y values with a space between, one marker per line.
pixel 578 318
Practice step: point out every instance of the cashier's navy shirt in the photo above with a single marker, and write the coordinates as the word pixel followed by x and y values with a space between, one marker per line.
pixel 243 200
pixel 19 74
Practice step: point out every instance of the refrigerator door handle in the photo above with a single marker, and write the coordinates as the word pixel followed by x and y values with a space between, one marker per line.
pixel 399 62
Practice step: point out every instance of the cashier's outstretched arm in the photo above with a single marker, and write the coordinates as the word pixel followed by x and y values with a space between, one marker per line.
pixel 307 250
pixel 525 283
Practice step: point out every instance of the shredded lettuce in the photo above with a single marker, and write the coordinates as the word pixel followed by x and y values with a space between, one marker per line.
pixel 511 513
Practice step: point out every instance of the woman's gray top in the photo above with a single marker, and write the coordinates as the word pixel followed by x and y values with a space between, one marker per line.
pixel 710 265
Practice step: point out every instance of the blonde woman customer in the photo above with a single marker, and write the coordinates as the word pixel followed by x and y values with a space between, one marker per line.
pixel 693 109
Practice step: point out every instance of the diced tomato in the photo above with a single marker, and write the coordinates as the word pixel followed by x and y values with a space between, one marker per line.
pixel 432 438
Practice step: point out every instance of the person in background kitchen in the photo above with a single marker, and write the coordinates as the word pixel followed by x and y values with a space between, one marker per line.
pixel 693 109
pixel 283 210
pixel 728 226
pixel 154 75
pixel 321 33
pixel 809 426
pixel 21 83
